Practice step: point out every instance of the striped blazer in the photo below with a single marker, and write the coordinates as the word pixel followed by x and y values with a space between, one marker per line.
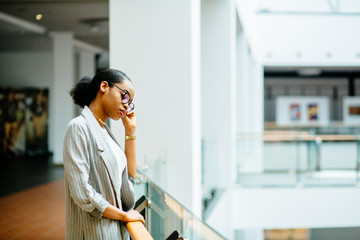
pixel 92 182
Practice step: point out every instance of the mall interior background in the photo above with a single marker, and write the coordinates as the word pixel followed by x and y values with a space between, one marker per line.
pixel 248 111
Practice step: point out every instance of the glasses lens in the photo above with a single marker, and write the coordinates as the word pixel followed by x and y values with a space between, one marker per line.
pixel 125 98
pixel 131 107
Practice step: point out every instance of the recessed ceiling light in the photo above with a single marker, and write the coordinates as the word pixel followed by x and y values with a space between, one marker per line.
pixel 94 29
pixel 38 17
pixel 309 71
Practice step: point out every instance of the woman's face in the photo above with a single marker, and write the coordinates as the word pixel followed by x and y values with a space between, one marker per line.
pixel 112 105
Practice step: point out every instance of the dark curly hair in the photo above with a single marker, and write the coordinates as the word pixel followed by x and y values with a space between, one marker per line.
pixel 86 89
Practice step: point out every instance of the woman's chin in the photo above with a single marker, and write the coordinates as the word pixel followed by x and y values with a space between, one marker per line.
pixel 115 118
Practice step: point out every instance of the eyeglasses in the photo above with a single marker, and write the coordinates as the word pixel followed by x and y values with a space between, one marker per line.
pixel 125 98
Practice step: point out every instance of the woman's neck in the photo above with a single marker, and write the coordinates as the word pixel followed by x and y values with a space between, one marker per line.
pixel 98 113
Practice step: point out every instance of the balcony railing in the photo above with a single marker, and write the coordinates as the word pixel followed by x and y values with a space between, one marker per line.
pixel 299 159
pixel 290 158
pixel 165 217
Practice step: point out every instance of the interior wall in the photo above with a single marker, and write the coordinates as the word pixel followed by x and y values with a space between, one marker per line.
pixel 335 89
pixel 26 69
pixel 32 69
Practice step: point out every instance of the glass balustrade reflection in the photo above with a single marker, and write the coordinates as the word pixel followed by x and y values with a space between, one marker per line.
pixel 288 159
pixel 297 159
pixel 165 215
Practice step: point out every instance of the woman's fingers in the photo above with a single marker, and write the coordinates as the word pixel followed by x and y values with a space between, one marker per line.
pixel 140 217
pixel 142 220
pixel 136 216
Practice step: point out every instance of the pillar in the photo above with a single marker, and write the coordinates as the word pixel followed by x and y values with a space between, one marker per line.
pixel 218 92
pixel 250 102
pixel 157 43
pixel 61 105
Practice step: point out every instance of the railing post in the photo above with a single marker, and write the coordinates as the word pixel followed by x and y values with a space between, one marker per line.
pixel 318 141
pixel 297 163
pixel 357 169
pixel 175 235
pixel 142 206
pixel 308 145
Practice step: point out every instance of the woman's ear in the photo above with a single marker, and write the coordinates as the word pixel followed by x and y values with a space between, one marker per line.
pixel 103 86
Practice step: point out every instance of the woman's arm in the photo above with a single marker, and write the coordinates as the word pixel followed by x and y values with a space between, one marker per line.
pixel 130 152
pixel 129 122
pixel 113 212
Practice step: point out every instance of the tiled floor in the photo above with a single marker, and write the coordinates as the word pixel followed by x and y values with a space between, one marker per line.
pixel 32 200
pixel 36 213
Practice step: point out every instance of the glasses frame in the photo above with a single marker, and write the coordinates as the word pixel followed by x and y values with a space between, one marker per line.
pixel 130 102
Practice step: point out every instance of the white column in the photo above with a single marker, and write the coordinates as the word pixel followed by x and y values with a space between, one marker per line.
pixel 85 67
pixel 86 64
pixel 62 107
pixel 157 43
pixel 250 101
pixel 218 92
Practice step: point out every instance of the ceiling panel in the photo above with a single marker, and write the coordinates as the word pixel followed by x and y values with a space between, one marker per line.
pixel 87 19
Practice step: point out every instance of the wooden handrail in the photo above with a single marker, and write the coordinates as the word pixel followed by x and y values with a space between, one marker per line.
pixel 274 125
pixel 323 138
pixel 138 231
pixel 302 137
pixel 294 133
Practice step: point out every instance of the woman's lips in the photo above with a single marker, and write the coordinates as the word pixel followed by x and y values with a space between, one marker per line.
pixel 123 112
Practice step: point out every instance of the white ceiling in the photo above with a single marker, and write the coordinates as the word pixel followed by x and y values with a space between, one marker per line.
pixel 309 6
pixel 87 19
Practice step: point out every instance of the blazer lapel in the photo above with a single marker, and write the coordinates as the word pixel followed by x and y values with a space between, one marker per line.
pixel 104 151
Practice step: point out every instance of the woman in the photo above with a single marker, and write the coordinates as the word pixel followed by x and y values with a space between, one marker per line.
pixel 98 174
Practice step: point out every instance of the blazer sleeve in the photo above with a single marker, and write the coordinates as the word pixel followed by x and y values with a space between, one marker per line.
pixel 77 168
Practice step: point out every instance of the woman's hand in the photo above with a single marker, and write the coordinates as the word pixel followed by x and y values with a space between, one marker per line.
pixel 133 216
pixel 113 212
pixel 129 122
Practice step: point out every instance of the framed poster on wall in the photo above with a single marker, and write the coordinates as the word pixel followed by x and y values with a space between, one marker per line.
pixel 24 121
pixel 351 110
pixel 301 110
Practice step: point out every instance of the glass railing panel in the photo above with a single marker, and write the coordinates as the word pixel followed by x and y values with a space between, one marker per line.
pixel 338 155
pixel 140 186
pixel 167 215
pixel 153 165
pixel 264 161
pixel 334 162
pixel 297 159
pixel 210 176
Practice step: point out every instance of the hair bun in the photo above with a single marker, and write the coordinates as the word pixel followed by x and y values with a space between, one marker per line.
pixel 81 93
